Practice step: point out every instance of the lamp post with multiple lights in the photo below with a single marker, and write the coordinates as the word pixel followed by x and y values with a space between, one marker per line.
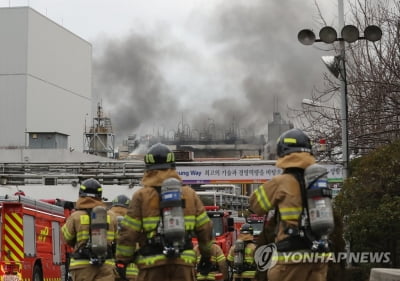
pixel 337 66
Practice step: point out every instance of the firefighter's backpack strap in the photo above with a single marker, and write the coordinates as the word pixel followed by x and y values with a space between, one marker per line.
pixel 299 237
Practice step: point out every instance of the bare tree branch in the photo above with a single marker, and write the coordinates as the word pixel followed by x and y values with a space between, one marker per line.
pixel 373 84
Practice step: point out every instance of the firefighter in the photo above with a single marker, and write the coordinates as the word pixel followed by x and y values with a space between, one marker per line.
pixel 120 207
pixel 219 268
pixel 77 232
pixel 120 204
pixel 241 255
pixel 156 259
pixel 283 194
pixel 266 236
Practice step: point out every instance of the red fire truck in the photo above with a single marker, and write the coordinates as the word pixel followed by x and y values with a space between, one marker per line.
pixel 31 247
pixel 238 222
pixel 257 222
pixel 223 227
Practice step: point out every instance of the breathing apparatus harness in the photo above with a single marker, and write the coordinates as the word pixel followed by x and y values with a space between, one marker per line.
pixel 239 263
pixel 96 248
pixel 205 266
pixel 171 238
pixel 310 233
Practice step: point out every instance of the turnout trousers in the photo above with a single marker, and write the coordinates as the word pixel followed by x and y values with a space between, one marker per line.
pixel 170 272
pixel 94 273
pixel 298 272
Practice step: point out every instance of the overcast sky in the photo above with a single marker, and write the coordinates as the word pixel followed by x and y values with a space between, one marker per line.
pixel 228 62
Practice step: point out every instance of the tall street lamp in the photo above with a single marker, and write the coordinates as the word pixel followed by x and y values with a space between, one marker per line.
pixel 337 66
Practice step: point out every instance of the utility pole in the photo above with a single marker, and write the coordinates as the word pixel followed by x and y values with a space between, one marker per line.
pixel 343 91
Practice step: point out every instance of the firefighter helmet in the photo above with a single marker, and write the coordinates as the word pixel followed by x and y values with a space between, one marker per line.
pixel 121 200
pixel 159 157
pixel 293 140
pixel 90 188
pixel 246 229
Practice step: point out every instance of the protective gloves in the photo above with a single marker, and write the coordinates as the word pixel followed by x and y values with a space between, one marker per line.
pixel 204 266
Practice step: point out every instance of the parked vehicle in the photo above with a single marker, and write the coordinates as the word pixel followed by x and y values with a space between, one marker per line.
pixel 31 244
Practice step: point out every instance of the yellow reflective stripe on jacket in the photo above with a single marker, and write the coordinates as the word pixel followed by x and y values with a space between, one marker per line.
pixel 218 259
pixel 202 219
pixel 221 258
pixel 202 277
pixel 290 213
pixel 150 223
pixel 84 219
pixel 248 255
pixel 132 270
pixel 149 260
pixel 67 235
pixel 262 198
pixel 150 226
pixel 209 276
pixel 214 259
pixel 131 223
pixel 124 250
pixel 188 256
pixel 82 235
pixel 246 274
pixel 110 235
pixel 74 263
pixel 190 222
pixel 79 262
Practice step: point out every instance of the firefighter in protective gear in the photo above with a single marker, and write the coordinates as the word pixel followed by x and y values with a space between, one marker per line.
pixel 121 200
pixel 77 233
pixel 218 267
pixel 120 206
pixel 283 193
pixel 144 216
pixel 266 236
pixel 248 268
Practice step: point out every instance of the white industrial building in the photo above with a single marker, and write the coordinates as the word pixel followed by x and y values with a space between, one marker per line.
pixel 45 82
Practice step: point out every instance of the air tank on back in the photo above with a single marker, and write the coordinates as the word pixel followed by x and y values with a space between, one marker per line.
pixel 319 198
pixel 173 218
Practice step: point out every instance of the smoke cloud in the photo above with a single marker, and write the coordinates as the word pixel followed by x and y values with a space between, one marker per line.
pixel 242 63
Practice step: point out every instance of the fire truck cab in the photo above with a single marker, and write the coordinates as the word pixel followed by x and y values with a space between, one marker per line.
pixel 223 227
pixel 238 222
pixel 257 222
pixel 31 247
